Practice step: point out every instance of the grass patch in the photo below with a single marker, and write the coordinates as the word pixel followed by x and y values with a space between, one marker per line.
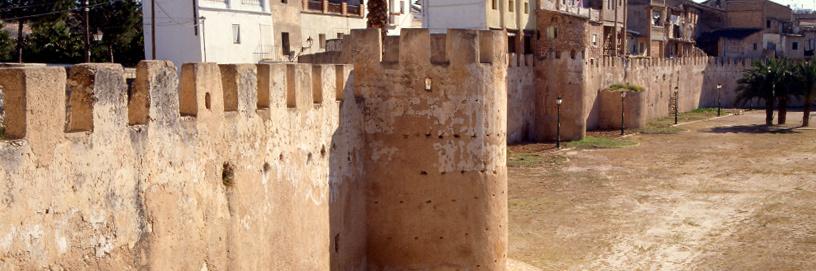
pixel 529 160
pixel 666 125
pixel 591 142
pixel 522 159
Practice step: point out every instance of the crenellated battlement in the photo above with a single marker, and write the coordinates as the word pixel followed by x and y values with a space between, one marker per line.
pixel 36 108
pixel 420 47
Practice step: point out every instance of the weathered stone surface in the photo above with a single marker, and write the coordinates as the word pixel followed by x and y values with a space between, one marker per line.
pixel 435 164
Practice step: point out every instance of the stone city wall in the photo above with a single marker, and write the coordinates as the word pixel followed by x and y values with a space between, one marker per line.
pixel 693 81
pixel 227 167
pixel 436 133
pixel 262 167
pixel 520 94
pixel 588 105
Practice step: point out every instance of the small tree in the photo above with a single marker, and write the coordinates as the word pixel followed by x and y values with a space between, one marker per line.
pixel 806 75
pixel 623 89
pixel 761 82
pixel 378 15
pixel 25 11
pixel 120 21
pixel 787 86
pixel 6 45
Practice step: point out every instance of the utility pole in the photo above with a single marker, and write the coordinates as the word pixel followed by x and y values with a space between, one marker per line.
pixel 153 28
pixel 87 32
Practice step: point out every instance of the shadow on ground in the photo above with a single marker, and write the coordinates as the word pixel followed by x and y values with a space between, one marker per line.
pixel 753 129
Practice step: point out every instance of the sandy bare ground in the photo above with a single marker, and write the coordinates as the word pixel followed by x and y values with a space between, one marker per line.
pixel 724 195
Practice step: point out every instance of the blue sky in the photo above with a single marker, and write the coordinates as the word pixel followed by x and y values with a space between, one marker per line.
pixel 807 4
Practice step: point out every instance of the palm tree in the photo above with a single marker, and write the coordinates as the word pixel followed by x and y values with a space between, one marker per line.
pixel 623 89
pixel 760 82
pixel 787 86
pixel 806 75
pixel 378 15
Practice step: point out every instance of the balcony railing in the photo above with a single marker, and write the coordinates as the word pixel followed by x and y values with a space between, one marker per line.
pixel 315 5
pixel 335 8
pixel 339 7
pixel 353 9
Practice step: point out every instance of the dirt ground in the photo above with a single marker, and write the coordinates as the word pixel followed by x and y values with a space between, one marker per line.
pixel 725 195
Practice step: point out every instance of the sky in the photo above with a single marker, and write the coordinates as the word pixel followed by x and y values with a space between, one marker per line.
pixel 795 4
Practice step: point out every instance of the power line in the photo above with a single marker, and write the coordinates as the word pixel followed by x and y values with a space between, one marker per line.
pixel 54 12
pixel 25 6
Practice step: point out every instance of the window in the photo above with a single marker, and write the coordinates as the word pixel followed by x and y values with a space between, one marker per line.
pixel 510 6
pixel 495 4
pixel 402 7
pixel 755 46
pixel 795 46
pixel 657 18
pixel 594 39
pixel 528 43
pixel 526 7
pixel 284 1
pixel 552 33
pixel 285 44
pixel 511 44
pixel 322 39
pixel 768 24
pixel 236 34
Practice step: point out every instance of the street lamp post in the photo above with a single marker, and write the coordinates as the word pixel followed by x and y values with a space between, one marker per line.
pixel 623 109
pixel 676 105
pixel 719 106
pixel 86 10
pixel 558 103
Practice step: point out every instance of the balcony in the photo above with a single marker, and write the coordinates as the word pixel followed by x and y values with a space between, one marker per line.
pixel 333 7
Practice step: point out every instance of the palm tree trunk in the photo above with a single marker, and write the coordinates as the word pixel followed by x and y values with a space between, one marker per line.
pixel 110 50
pixel 806 113
pixel 20 41
pixel 769 110
pixel 783 110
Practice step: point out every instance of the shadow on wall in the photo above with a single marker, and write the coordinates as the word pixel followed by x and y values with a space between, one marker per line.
pixel 347 199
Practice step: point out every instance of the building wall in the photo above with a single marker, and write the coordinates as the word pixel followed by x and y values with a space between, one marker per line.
pixel 744 48
pixel 313 25
pixel 439 15
pixel 176 38
pixel 182 38
pixel 286 19
pixel 400 16
pixel 256 37
pixel 797 52
pixel 745 14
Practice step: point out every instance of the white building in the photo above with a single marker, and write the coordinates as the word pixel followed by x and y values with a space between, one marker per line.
pixel 517 17
pixel 401 15
pixel 512 15
pixel 221 31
